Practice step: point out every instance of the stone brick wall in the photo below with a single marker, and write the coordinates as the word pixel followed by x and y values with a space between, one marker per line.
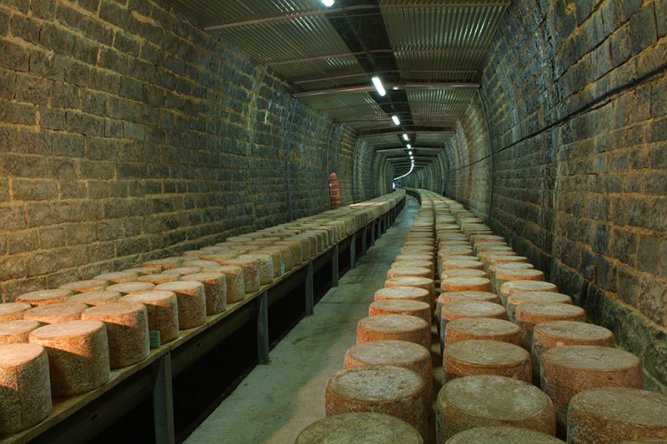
pixel 127 133
pixel 579 182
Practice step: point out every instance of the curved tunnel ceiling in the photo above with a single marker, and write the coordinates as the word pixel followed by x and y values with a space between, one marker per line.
pixel 428 53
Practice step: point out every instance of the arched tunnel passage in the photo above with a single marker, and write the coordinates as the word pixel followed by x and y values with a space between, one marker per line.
pixel 139 130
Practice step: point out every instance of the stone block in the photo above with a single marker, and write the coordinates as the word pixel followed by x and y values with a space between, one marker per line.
pixel 25 28
pixel 14 56
pixel 22 242
pixel 643 28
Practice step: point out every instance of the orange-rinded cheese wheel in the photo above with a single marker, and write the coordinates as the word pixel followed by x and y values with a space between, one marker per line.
pixel 486 357
pixel 509 288
pixel 403 293
pixel 614 414
pixel 466 284
pixel 295 256
pixel 78 355
pixel 462 272
pixel 491 400
pixel 469 309
pixel 414 257
pixel 452 264
pixel 503 275
pixel 529 314
pixel 250 272
pixel 359 427
pixel 482 328
pixel 215 289
pixel 394 326
pixel 160 278
pixel 235 282
pixel 191 302
pixel 449 297
pixel 538 297
pixel 127 331
pixel 162 309
pixel 26 392
pixel 131 287
pixel 572 369
pixel 95 297
pixel 397 306
pixel 183 270
pixel 12 332
pixel 502 435
pixel 265 262
pixel 276 259
pixel 54 313
pixel 165 263
pixel 410 281
pixel 220 257
pixel 416 249
pixel 200 263
pixel 118 277
pixel 45 297
pixel 415 264
pixel 409 272
pixel 389 389
pixel 141 271
pixel 86 286
pixel 13 311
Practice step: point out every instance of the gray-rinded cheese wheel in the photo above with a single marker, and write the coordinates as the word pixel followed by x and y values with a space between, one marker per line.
pixel 165 263
pixel 250 272
pixel 466 284
pixel 486 357
pixel 78 355
pixel 265 263
pixel 12 332
pixel 131 287
pixel 25 391
pixel 127 331
pixel 160 278
pixel 613 414
pixel 414 257
pixel 12 311
pixel 490 400
pixel 95 297
pixel 202 264
pixel 54 313
pixel 482 328
pixel 215 289
pixel 191 302
pixel 509 288
pixel 117 277
pixel 397 306
pixel 86 286
pixel 409 271
pixel 183 270
pixel 293 253
pixel 235 283
pixel 571 369
pixel 162 308
pixel 141 271
pixel 394 326
pixel 45 297
pixel 389 389
pixel 359 427
pixel 539 297
pixel 502 435
pixel 428 264
pixel 276 259
pixel 530 314
pixel 403 293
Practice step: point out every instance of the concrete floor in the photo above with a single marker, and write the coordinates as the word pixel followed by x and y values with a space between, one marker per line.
pixel 276 401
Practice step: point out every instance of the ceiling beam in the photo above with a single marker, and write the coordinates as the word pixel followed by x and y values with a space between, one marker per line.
pixel 386 71
pixel 412 129
pixel 405 86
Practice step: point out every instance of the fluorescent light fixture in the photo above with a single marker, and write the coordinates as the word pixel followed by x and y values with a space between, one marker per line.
pixel 379 86
pixel 328 3
pixel 412 167
pixel 409 146
pixel 406 137
pixel 410 153
pixel 396 121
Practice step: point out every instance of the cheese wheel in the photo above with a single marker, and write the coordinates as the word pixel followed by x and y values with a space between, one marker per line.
pixel 127 331
pixel 54 313
pixel 191 302
pixel 409 271
pixel 25 397
pixel 265 263
pixel 200 263
pixel 539 297
pixel 276 260
pixel 503 275
pixel 131 287
pixel 414 257
pixel 95 297
pixel 449 297
pixel 509 288
pixel 162 310
pixel 397 306
pixel 160 278
pixel 215 289
pixel 411 281
pixel 78 355
pixel 394 326
pixel 294 252
pixel 491 400
pixel 141 271
pixel 462 272
pixel 235 283
pixel 359 427
pixel 391 352
pixel 529 314
pixel 389 389
pixel 495 258
pixel 466 284
pixel 250 272
pixel 220 257
pixel 12 311
pixel 469 309
pixel 403 293
pixel 45 297
pixel 416 249
pixel 502 435
pixel 165 263
pixel 612 414
pixel 192 253
pixel 486 357
pixel 12 332
pixel 118 277
pixel 182 270
pixel 482 328
pixel 86 286
pixel 452 264
pixel 415 264
pixel 571 369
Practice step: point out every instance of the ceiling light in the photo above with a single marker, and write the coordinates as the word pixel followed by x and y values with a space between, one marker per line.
pixel 410 153
pixel 406 137
pixel 378 86
pixel 409 146
pixel 328 3
pixel 396 121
